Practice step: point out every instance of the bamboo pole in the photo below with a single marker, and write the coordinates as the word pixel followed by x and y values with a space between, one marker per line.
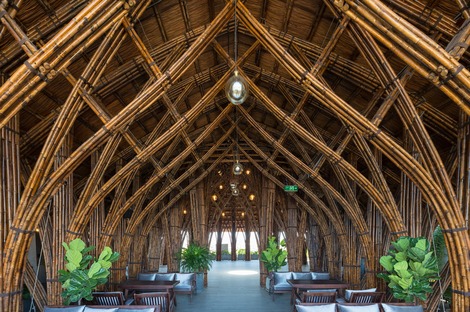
pixel 117 122
pixel 431 191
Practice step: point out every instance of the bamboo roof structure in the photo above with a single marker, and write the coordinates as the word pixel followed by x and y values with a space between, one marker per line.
pixel 114 121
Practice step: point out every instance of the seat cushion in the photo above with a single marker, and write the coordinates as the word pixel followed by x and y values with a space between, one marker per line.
pixel 131 309
pixel 320 275
pixel 301 275
pixel 348 292
pixel 65 309
pixel 331 307
pixel 146 276
pixel 359 308
pixel 184 278
pixel 282 287
pixel 401 308
pixel 322 290
pixel 165 277
pixel 282 277
pixel 183 287
pixel 88 309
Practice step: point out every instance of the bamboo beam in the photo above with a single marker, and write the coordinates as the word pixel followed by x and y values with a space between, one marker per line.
pixel 431 191
pixel 440 68
pixel 19 241
pixel 28 76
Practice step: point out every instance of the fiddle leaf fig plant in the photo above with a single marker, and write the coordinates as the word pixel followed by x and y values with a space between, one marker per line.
pixel 80 278
pixel 411 268
pixel 274 256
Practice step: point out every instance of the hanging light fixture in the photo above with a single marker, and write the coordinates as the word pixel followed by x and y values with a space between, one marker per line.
pixel 236 88
pixel 237 167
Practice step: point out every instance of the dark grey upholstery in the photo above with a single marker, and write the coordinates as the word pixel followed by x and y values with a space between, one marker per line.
pixel 316 308
pixel 301 275
pixel 320 275
pixel 401 308
pixel 165 277
pixel 146 276
pixel 359 308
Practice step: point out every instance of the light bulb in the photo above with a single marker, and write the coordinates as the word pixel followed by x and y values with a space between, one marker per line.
pixel 236 89
pixel 237 168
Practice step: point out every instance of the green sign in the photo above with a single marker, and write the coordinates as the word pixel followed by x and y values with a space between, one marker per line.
pixel 291 188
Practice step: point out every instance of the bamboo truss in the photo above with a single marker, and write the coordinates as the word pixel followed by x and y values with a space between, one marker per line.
pixel 113 120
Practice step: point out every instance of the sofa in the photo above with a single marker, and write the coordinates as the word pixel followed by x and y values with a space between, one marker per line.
pixel 278 280
pixel 186 285
pixel 101 308
pixel 352 307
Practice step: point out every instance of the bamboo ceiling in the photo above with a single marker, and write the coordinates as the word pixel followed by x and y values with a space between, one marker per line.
pixel 347 98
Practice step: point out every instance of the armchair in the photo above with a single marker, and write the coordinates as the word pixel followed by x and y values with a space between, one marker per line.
pixel 111 298
pixel 156 298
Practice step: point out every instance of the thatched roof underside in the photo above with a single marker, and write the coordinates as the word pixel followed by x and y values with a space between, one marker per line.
pixel 119 107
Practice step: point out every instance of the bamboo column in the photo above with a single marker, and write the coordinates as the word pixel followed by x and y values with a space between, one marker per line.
pixel 155 248
pixel 62 207
pixel 176 222
pixel 291 234
pixel 247 237
pixel 9 180
pixel 313 242
pixel 266 220
pixel 219 240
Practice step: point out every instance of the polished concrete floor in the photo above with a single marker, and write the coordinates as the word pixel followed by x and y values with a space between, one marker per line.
pixel 234 286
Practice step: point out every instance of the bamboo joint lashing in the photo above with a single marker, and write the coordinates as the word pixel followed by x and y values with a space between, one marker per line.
pixel 36 72
pixel 351 265
pixel 74 233
pixel 21 230
pixel 399 232
pixel 128 234
pixel 455 230
pixel 363 233
pixel 463 293
pixel 2 13
pixel 117 269
pixel 52 280
pixel 374 134
pixel 450 76
pixel 303 76
pixel 12 293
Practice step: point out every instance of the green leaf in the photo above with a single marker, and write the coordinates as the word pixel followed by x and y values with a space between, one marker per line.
pixel 402 244
pixel 422 244
pixel 71 267
pixel 95 267
pixel 400 266
pixel 405 283
pixel 105 254
pixel 401 256
pixel 386 262
pixel 77 244
pixel 74 256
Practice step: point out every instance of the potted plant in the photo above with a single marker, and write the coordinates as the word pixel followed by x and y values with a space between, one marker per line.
pixel 82 276
pixel 275 255
pixel 411 268
pixel 196 259
pixel 254 255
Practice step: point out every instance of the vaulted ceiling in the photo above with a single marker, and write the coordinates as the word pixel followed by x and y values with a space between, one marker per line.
pixel 347 98
pixel 142 82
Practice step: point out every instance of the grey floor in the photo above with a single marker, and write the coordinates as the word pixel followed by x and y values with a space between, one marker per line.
pixel 234 286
